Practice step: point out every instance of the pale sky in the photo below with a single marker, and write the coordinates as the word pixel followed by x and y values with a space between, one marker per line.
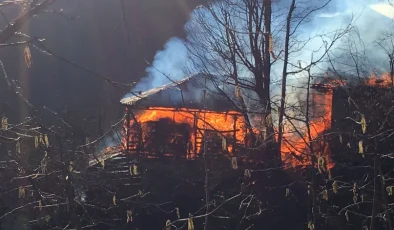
pixel 384 9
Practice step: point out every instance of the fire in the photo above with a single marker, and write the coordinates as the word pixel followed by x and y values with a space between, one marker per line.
pixel 112 149
pixel 229 126
pixel 384 81
pixel 298 146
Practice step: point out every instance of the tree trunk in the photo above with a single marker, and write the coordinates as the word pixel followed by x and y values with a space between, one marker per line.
pixel 284 76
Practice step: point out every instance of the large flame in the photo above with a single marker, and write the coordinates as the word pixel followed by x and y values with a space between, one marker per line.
pixel 298 145
pixel 228 125
pixel 299 142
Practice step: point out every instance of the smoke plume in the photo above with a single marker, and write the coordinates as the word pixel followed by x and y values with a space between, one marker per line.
pixel 170 63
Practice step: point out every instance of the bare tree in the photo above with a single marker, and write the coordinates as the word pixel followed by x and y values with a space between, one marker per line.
pixel 234 40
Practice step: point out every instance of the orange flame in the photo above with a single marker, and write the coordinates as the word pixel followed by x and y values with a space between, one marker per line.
pixel 299 143
pixel 229 125
pixel 297 147
pixel 384 81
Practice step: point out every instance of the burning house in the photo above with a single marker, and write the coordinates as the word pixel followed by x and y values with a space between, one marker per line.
pixel 172 120
pixel 299 140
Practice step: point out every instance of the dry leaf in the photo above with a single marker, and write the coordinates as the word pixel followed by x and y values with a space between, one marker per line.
pixel 135 170
pixel 335 187
pixel 224 144
pixel 347 216
pixel 27 54
pixel 361 148
pixel 268 120
pixel 44 164
pixel 389 190
pixel 234 163
pixel 271 46
pixel 129 216
pixel 340 138
pixel 21 192
pixel 321 164
pixel 70 166
pixel 247 173
pixel 355 199
pixel 354 189
pixel 114 200
pixel 168 225
pixel 46 140
pixel 311 226
pixel 238 91
pixel 102 162
pixel 42 141
pixel 325 194
pixel 39 205
pixel 18 147
pixel 190 224
pixel 271 43
pixel 363 123
pixel 177 213
pixel 4 123
pixel 36 142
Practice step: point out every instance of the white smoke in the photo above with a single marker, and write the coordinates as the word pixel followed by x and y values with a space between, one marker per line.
pixel 172 63
pixel 169 65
